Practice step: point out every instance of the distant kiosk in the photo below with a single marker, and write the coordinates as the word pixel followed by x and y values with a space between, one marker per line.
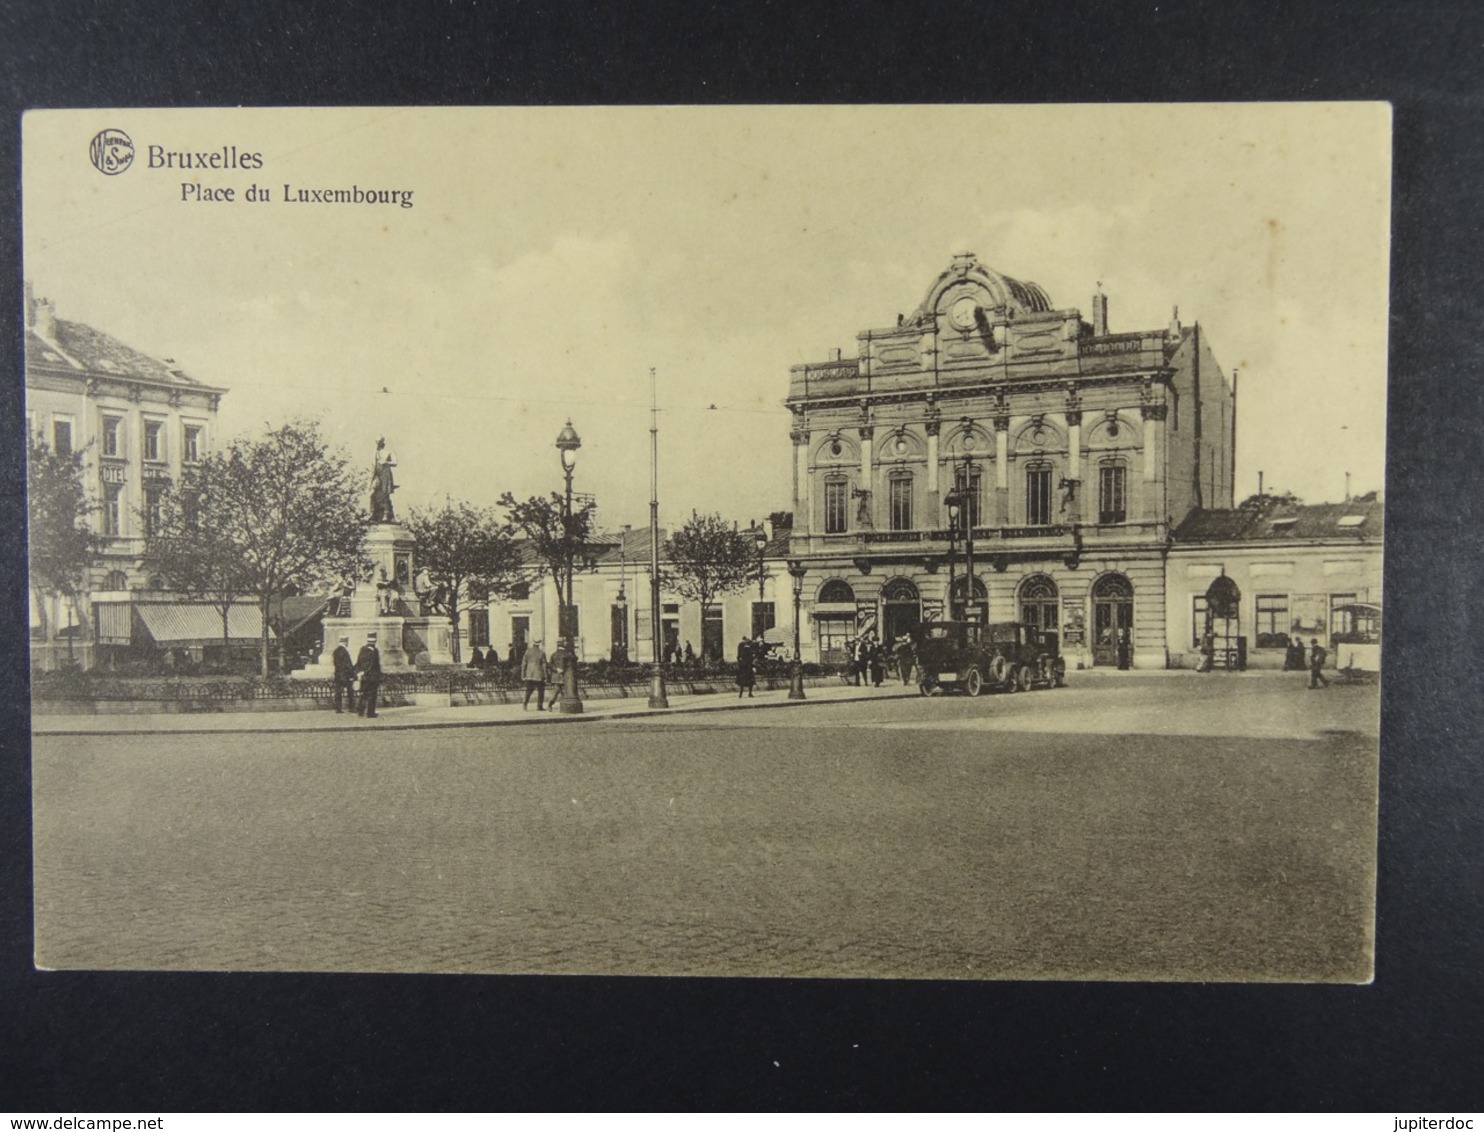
pixel 383 599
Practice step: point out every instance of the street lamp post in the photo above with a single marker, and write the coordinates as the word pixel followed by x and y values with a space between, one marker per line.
pixel 954 502
pixel 568 442
pixel 970 505
pixel 760 540
pixel 796 673
pixel 657 695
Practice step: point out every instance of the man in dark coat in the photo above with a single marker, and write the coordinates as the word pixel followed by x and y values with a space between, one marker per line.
pixel 745 659
pixel 345 676
pixel 1318 654
pixel 368 664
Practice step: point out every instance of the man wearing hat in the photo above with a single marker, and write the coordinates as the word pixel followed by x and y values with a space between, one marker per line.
pixel 345 675
pixel 368 664
pixel 533 672
pixel 1318 654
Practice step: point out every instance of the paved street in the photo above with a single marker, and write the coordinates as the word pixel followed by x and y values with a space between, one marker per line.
pixel 1133 825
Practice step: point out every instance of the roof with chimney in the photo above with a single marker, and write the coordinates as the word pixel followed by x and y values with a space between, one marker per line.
pixel 1275 519
pixel 64 345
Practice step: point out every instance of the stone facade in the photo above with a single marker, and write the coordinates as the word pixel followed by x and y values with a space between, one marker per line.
pixel 139 422
pixel 1079 450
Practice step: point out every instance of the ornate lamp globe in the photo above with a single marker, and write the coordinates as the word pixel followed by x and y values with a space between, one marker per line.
pixel 568 442
pixel 760 537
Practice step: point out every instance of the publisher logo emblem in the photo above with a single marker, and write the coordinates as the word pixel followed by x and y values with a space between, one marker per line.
pixel 112 152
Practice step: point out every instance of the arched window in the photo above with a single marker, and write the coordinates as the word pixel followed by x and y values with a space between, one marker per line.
pixel 977 610
pixel 1038 602
pixel 115 581
pixel 836 591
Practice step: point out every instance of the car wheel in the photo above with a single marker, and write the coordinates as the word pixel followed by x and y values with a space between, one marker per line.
pixel 1023 679
pixel 973 684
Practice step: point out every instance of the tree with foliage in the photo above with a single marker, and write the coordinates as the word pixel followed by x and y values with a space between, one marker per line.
pixel 709 557
pixel 468 553
pixel 286 506
pixel 192 547
pixel 554 538
pixel 60 541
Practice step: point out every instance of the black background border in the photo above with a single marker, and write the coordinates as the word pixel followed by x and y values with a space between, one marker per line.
pixel 73 1042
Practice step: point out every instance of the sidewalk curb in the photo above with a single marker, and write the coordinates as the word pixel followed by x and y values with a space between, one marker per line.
pixel 541 719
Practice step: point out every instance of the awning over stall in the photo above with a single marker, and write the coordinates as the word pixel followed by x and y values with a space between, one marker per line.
pixel 180 624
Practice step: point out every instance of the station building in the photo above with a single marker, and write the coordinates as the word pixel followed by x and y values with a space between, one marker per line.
pixel 1074 452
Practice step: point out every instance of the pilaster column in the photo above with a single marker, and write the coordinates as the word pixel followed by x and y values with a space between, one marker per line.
pixel 803 511
pixel 933 496
pixel 1154 435
pixel 1002 470
pixel 868 468
pixel 1074 462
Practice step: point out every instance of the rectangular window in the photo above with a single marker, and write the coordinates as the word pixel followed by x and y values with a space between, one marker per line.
pixel 1197 620
pixel 113 506
pixel 1038 496
pixel 153 497
pixel 901 503
pixel 832 633
pixel 1112 503
pixel 1272 621
pixel 479 628
pixel 154 449
pixel 835 502
pixel 191 446
pixel 967 487
pixel 113 436
pixel 763 617
pixel 62 438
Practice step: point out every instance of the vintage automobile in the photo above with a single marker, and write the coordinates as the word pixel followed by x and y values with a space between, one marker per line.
pixel 1009 656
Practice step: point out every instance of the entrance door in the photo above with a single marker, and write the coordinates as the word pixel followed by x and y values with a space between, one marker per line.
pixel 520 635
pixel 1223 607
pixel 901 609
pixel 1112 618
pixel 713 643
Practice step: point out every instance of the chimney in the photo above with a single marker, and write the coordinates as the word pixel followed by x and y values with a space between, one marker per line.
pixel 835 354
pixel 1175 323
pixel 768 526
pixel 1099 314
pixel 46 320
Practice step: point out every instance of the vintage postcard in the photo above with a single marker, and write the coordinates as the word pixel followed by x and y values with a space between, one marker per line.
pixel 887 542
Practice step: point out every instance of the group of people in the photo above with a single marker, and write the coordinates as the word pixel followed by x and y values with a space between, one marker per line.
pixel 365 670
pixel 536 671
pixel 870 658
pixel 479 658
pixel 684 657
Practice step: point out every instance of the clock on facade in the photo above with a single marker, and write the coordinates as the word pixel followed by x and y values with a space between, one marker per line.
pixel 963 312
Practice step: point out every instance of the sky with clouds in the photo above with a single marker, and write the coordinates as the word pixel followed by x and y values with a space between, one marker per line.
pixel 552 256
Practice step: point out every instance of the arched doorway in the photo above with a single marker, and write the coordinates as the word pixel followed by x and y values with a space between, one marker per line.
pixel 1112 619
pixel 901 608
pixel 1223 607
pixel 978 611
pixel 1039 603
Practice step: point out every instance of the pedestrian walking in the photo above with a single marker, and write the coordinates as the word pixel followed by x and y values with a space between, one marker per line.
pixel 1208 652
pixel 690 656
pixel 533 672
pixel 745 675
pixel 1318 654
pixel 345 676
pixel 1293 661
pixel 1125 650
pixel 875 658
pixel 368 667
pixel 476 658
pixel 903 654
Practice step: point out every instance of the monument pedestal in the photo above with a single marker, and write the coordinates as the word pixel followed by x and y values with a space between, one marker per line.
pixel 384 604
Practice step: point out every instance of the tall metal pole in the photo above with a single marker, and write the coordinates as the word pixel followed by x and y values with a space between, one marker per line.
pixel 796 670
pixel 571 702
pixel 968 508
pixel 657 696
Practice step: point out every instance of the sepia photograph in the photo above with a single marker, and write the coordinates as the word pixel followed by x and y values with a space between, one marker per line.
pixel 845 542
